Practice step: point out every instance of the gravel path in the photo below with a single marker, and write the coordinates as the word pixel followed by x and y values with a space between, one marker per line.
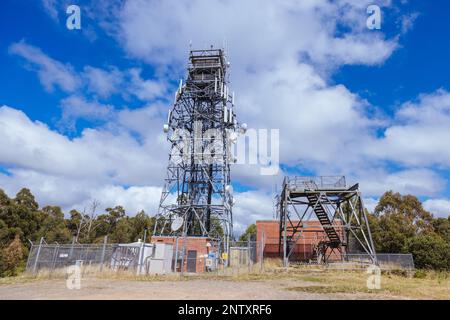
pixel 178 290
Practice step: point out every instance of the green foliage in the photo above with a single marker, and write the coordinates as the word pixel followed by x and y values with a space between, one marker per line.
pixel 20 215
pixel 429 252
pixel 399 218
pixel 122 231
pixel 139 223
pixel 442 228
pixel 420 274
pixel 53 225
pixel 400 224
pixel 22 220
pixel 250 232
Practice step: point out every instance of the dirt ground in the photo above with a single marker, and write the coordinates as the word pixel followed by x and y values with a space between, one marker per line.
pixel 199 289
pixel 297 284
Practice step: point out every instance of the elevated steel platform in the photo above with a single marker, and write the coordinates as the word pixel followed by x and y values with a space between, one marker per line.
pixel 339 210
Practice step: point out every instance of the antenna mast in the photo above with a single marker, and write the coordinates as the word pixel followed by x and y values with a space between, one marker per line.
pixel 198 188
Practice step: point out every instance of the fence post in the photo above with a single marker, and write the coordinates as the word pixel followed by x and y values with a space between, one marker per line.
pixel 141 253
pixel 176 256
pixel 71 248
pixel 249 251
pixel 261 252
pixel 37 255
pixel 55 257
pixel 102 261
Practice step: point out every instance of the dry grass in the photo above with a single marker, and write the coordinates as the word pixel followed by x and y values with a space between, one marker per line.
pixel 395 285
pixel 392 286
pixel 312 279
pixel 432 286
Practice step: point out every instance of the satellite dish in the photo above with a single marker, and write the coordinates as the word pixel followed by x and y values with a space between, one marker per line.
pixel 166 128
pixel 177 223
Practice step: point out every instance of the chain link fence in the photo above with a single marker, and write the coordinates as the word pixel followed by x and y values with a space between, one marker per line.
pixel 242 257
pixel 90 257
pixel 386 261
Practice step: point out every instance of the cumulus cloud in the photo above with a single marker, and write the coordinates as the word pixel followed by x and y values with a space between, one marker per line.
pixel 370 204
pixel 98 81
pixel 421 182
pixel 251 206
pixel 133 199
pixel 419 133
pixel 110 154
pixel 439 207
pixel 76 107
pixel 51 72
pixel 159 31
pixel 145 89
pixel 79 193
pixel 103 82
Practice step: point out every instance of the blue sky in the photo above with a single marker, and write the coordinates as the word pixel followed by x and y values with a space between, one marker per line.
pixel 420 66
pixel 83 109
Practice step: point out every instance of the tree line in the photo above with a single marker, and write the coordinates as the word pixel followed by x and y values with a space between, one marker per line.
pixel 23 222
pixel 399 224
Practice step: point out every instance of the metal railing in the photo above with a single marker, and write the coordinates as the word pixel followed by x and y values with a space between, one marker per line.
pixel 386 261
pixel 323 182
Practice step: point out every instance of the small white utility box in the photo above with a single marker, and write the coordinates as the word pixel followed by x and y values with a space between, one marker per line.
pixel 161 260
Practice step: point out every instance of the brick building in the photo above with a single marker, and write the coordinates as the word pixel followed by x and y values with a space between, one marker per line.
pixel 305 246
pixel 197 251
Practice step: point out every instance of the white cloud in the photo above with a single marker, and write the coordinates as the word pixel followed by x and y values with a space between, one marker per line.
pixel 100 82
pixel 309 113
pixel 159 31
pixel 96 165
pixel 103 82
pixel 76 107
pixel 50 6
pixel 251 206
pixel 370 204
pixel 146 121
pixel 110 154
pixel 407 22
pixel 133 199
pixel 145 89
pixel 419 134
pixel 51 73
pixel 420 182
pixel 72 193
pixel 439 207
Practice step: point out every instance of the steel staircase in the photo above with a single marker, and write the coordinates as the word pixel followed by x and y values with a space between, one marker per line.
pixel 333 236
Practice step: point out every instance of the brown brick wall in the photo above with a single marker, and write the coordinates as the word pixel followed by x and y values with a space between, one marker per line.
pixel 192 243
pixel 305 244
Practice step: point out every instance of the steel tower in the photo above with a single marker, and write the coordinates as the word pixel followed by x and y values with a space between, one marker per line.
pixel 338 209
pixel 197 198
